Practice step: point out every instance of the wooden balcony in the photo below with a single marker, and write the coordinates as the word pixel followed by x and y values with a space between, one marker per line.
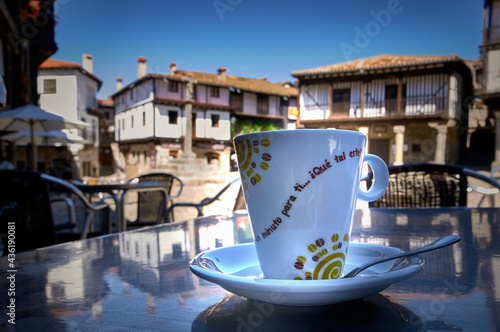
pixel 390 108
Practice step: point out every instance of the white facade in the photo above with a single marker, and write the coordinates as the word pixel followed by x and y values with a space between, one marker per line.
pixel 149 110
pixel 68 90
pixel 73 95
pixel 64 102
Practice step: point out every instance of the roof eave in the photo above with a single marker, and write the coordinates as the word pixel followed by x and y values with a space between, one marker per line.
pixel 299 74
pixel 80 69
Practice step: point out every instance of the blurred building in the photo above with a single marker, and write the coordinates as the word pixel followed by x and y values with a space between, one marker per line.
pixel 70 90
pixel 489 73
pixel 150 115
pixel 412 108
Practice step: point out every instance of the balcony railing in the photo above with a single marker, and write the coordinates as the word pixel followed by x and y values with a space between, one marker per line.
pixel 413 106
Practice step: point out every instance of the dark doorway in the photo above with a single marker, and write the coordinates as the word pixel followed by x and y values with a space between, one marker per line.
pixel 380 147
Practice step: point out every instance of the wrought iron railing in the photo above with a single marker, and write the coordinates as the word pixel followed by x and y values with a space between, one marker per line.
pixel 411 106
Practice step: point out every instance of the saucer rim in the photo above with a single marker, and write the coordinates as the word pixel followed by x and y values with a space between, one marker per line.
pixel 255 288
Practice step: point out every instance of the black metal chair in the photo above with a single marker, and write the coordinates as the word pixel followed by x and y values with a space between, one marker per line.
pixel 204 202
pixel 152 206
pixel 26 215
pixel 429 185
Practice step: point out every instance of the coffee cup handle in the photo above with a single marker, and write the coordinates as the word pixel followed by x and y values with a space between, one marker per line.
pixel 380 179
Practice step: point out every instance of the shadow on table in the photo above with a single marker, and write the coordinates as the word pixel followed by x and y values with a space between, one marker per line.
pixel 373 313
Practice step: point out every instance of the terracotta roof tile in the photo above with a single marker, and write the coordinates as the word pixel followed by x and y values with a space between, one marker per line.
pixel 53 63
pixel 377 62
pixel 106 102
pixel 61 64
pixel 242 83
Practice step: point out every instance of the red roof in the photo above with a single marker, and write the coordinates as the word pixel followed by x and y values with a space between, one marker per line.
pixel 378 62
pixel 106 102
pixel 51 64
pixel 230 81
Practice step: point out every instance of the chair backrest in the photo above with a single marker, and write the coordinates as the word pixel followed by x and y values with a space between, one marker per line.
pixel 424 185
pixel 25 210
pixel 151 205
pixel 239 203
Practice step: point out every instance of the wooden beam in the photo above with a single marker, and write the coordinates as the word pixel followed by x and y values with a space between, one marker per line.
pixel 399 94
pixel 330 99
pixel 363 89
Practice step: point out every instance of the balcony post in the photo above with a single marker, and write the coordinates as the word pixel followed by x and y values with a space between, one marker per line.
pixel 399 96
pixel 363 89
pixel 330 101
pixel 400 139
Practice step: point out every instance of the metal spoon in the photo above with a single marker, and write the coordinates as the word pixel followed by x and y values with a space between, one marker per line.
pixel 439 243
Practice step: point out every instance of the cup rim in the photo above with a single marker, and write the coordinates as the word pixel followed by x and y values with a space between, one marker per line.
pixel 300 131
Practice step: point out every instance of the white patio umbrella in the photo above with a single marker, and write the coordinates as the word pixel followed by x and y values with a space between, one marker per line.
pixel 33 118
pixel 49 138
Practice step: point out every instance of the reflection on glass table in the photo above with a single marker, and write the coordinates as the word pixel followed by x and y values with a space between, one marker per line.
pixel 140 280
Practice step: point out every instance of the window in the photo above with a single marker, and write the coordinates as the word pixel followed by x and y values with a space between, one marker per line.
pixel 172 117
pixel 49 86
pixel 123 124
pixel 391 92
pixel 236 100
pixel 341 100
pixel 215 120
pixel 262 104
pixel 132 122
pixel 173 86
pixel 143 118
pixel 391 97
pixel 214 91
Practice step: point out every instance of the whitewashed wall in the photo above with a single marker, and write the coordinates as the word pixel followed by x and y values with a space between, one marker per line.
pixel 64 101
pixel 139 129
pixel 493 68
pixel 87 93
pixel 201 93
pixel 223 132
pixel 161 90
pixel 223 98
pixel 162 126
pixel 456 94
pixel 139 94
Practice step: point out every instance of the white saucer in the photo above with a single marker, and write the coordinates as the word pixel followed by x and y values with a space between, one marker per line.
pixel 237 270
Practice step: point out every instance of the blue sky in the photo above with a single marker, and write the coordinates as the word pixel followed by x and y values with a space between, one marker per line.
pixel 257 38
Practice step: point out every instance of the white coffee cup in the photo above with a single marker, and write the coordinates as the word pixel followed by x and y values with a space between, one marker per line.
pixel 301 188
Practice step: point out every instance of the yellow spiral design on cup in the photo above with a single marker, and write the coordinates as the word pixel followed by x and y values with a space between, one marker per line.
pixel 330 267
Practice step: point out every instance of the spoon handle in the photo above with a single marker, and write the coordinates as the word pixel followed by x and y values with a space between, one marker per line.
pixel 439 243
